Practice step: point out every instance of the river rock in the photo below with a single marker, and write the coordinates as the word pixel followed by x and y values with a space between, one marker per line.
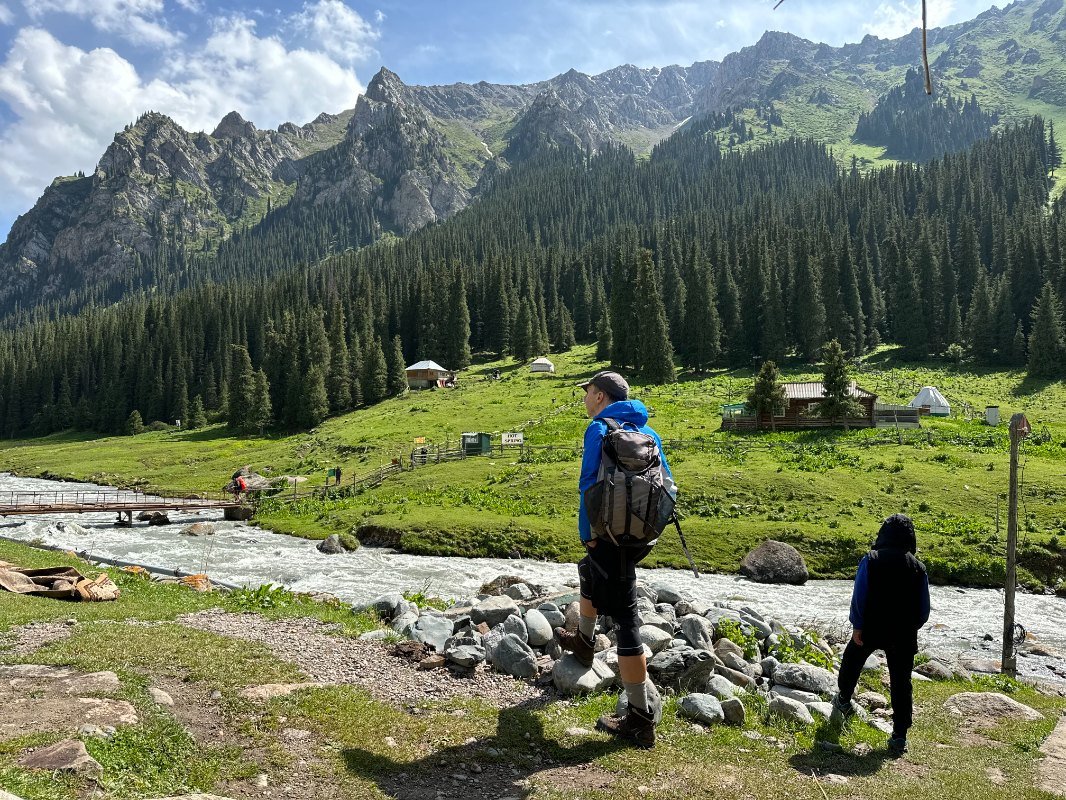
pixel 159 697
pixel 572 613
pixel 466 651
pixel 434 630
pixel 726 646
pixel 761 627
pixel 331 545
pixel 571 677
pixel 736 677
pixel 775 562
pixel 936 670
pixel 703 708
pixel 514 657
pixel 519 591
pixel 733 661
pixel 989 708
pixel 791 710
pixel 806 677
pixel 386 606
pixel 798 695
pixel 493 610
pixel 647 592
pixel 658 620
pixel 66 756
pixel 556 618
pixel 872 700
pixel 655 638
pixel 404 623
pixel 198 529
pixel 699 631
pixel 379 635
pixel 666 593
pixel 734 711
pixel 721 687
pixel 685 607
pixel 769 666
pixel 666 611
pixel 683 668
pixel 515 625
pixel 491 640
pixel 538 629
pixel 159 518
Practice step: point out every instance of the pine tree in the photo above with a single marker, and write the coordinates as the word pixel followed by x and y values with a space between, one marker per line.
pixel 836 382
pixel 909 314
pixel 339 380
pixel 656 364
pixel 261 413
pixel 197 415
pixel 522 340
pixel 397 382
pixel 604 339
pixel 314 405
pixel 979 330
pixel 457 324
pixel 241 393
pixel 134 423
pixel 807 304
pixel 375 382
pixel 702 332
pixel 1047 343
pixel 767 395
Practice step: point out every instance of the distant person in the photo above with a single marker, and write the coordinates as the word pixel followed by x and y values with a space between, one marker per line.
pixel 889 604
pixel 337 476
pixel 607 573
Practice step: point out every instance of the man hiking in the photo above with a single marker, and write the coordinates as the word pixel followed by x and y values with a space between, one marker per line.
pixel 607 573
pixel 889 604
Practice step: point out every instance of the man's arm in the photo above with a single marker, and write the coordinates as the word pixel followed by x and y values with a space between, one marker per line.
pixel 858 596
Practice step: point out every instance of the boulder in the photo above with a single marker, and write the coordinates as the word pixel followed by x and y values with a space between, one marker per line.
pixel 465 651
pixel 769 665
pixel 514 657
pixel 989 708
pixel 571 677
pixel 379 635
pixel 494 610
pixel 556 618
pixel 683 668
pixel 69 755
pixel 791 710
pixel 655 638
pixel 685 607
pixel 159 697
pixel 872 700
pixel 775 562
pixel 806 677
pixel 699 631
pixel 667 594
pixel 733 710
pixel 936 670
pixel 703 708
pixel 491 640
pixel 331 545
pixel 798 695
pixel 198 529
pixel 404 623
pixel 821 710
pixel 159 518
pixel 515 625
pixel 736 677
pixel 538 629
pixel 386 606
pixel 733 661
pixel 433 630
pixel 722 688
pixel 658 620
pixel 723 646
pixel 519 591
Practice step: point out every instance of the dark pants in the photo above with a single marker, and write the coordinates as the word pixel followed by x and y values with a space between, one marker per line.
pixel 608 577
pixel 900 656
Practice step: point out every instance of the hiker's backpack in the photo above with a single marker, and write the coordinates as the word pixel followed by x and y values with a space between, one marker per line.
pixel 633 498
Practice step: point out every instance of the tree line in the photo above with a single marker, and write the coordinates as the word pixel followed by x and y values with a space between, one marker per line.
pixel 687 259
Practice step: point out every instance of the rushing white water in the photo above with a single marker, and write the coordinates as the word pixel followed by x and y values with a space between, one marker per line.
pixel 245 555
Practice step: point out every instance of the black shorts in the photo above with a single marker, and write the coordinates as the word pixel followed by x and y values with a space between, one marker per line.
pixel 608 578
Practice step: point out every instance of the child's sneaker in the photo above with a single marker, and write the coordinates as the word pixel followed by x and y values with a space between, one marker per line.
pixel 897 745
pixel 842 710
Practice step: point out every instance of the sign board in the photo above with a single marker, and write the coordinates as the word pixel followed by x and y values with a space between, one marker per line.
pixel 512 439
pixel 1021 425
pixel 420 440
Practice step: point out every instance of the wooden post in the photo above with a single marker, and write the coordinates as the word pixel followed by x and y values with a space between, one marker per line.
pixel 1019 429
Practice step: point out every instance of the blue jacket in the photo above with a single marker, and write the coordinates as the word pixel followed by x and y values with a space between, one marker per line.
pixel 632 411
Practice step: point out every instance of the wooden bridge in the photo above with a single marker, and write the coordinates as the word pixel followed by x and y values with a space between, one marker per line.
pixel 122 501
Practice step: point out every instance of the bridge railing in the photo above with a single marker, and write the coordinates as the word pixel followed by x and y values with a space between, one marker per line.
pixel 109 498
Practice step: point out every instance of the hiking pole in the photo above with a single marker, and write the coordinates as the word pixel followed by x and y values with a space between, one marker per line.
pixel 684 546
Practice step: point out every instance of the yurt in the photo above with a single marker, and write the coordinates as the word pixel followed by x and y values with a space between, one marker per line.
pixel 930 398
pixel 542 365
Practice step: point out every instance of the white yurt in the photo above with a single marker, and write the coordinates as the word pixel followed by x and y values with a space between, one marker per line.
pixel 931 398
pixel 542 365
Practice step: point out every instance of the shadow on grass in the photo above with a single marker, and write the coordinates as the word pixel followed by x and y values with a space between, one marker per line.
pixel 1030 386
pixel 822 760
pixel 507 760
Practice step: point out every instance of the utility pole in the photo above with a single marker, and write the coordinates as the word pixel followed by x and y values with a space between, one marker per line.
pixel 1019 429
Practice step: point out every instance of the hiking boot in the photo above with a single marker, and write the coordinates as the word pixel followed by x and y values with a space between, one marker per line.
pixel 576 644
pixel 842 710
pixel 637 726
pixel 897 745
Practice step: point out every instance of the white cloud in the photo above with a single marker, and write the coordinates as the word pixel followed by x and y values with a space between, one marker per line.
pixel 337 29
pixel 137 21
pixel 194 6
pixel 69 102
pixel 7 17
pixel 379 16
pixel 898 18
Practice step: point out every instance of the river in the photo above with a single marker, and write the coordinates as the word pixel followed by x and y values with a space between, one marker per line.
pixel 245 555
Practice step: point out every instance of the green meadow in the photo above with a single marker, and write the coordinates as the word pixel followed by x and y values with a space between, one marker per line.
pixel 822 491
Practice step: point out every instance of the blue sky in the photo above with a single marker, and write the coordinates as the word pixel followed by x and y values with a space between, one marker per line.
pixel 73 72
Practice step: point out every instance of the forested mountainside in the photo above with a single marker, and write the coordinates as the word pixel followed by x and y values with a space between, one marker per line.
pixel 709 259
pixel 167 209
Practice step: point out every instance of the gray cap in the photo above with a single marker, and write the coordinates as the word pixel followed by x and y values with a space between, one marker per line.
pixel 613 384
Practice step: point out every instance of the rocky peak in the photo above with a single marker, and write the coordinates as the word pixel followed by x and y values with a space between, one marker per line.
pixel 234 126
pixel 385 87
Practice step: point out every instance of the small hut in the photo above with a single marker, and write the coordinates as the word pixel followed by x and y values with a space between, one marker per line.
pixel 542 365
pixel 930 401
pixel 428 375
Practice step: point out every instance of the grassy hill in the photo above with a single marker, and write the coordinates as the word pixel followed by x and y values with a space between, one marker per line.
pixel 823 491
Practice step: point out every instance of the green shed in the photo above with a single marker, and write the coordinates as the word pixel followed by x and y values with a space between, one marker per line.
pixel 477 444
